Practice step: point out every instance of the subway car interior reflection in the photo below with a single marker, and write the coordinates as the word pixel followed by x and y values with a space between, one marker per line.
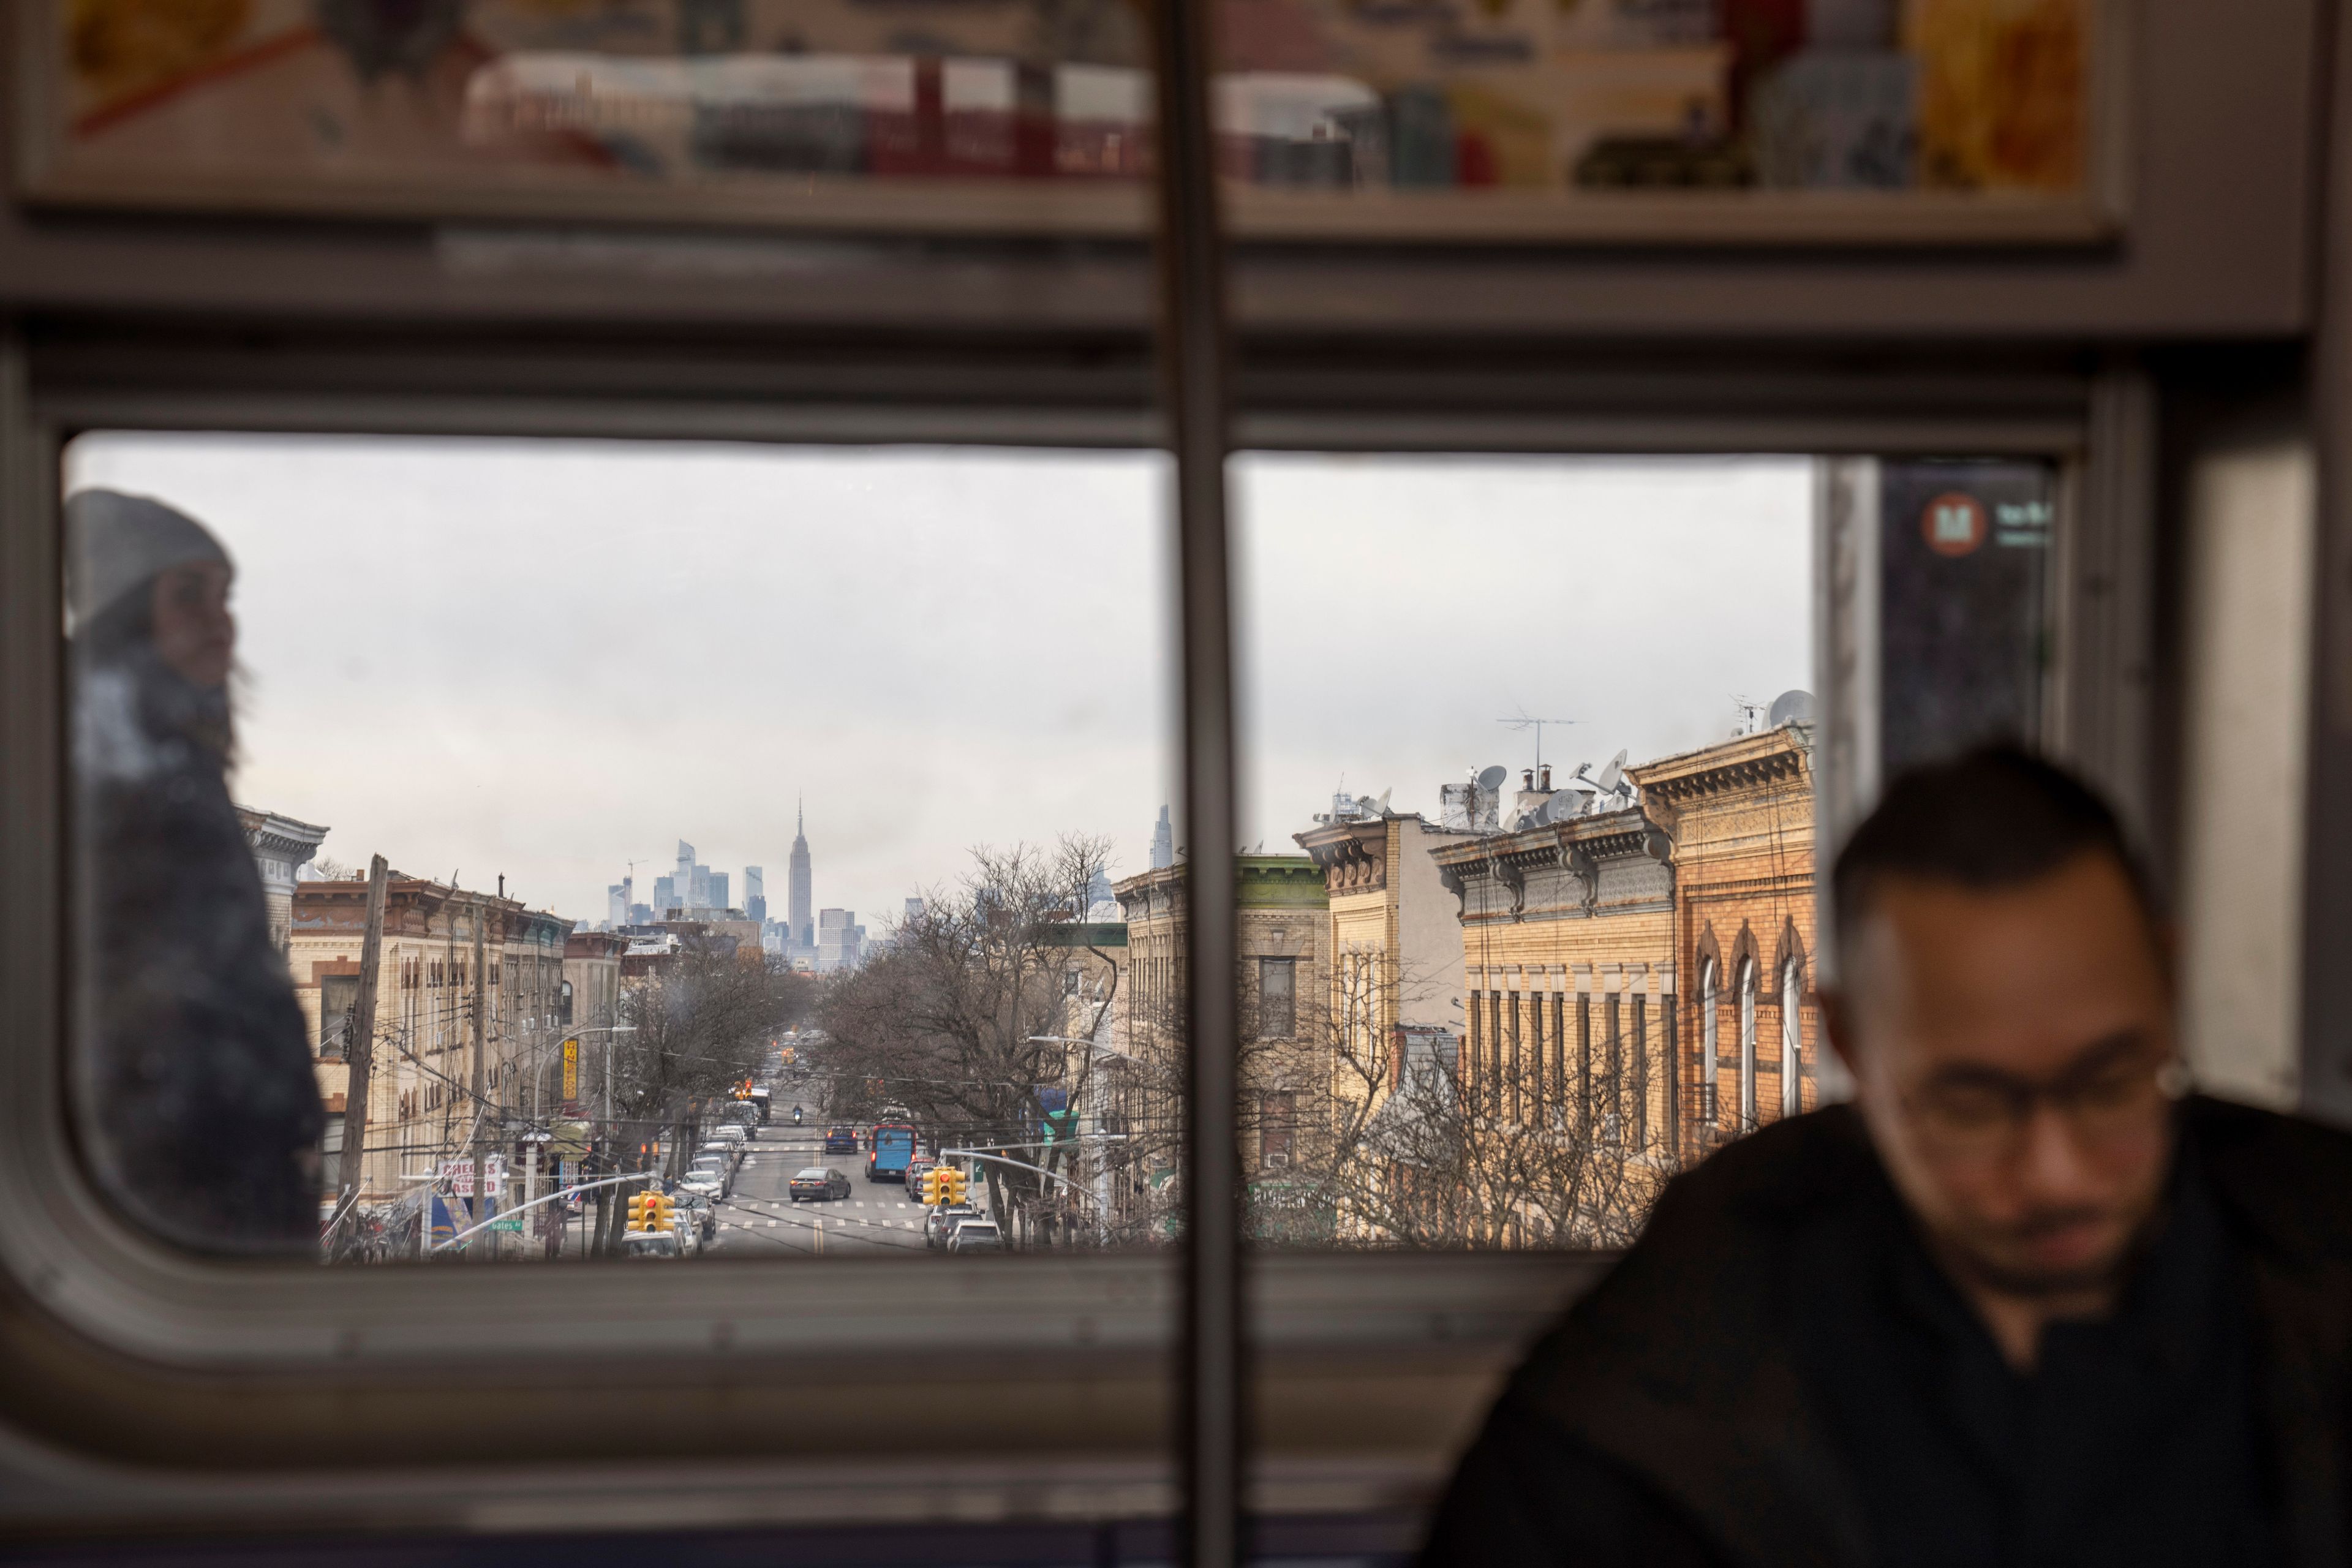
pixel 1547 783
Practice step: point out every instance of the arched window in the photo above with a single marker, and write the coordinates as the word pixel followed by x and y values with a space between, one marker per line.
pixel 1708 1061
pixel 1746 1044
pixel 1792 1037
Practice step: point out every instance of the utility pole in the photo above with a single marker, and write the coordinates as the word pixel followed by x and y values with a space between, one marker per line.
pixel 358 1044
pixel 481 1086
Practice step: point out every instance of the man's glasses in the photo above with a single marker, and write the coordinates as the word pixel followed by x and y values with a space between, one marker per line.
pixel 1985 1114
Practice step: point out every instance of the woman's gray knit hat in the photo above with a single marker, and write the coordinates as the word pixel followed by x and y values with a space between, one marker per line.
pixel 115 543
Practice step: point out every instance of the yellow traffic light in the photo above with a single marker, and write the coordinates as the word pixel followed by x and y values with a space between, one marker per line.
pixel 930 1187
pixel 661 1212
pixel 636 1211
pixel 953 1184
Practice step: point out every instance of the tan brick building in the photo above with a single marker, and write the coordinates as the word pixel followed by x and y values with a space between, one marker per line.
pixel 1394 946
pixel 1568 954
pixel 1739 815
pixel 1282 916
pixel 1639 988
pixel 429 990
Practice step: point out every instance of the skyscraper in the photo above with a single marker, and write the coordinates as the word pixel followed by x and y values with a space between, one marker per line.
pixel 666 896
pixel 755 892
pixel 1163 843
pixel 681 886
pixel 803 906
pixel 714 888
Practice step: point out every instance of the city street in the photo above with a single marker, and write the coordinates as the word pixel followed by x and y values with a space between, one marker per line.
pixel 761 1217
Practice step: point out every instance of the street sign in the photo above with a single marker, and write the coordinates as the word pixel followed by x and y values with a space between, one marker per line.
pixel 571 1069
pixel 460 1174
pixel 512 1222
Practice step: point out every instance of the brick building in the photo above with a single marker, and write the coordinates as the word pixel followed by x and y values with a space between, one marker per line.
pixel 431 990
pixel 1739 815
pixel 1567 952
pixel 1282 913
pixel 1394 943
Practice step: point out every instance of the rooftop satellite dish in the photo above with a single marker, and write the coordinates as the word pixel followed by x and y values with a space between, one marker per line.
pixel 1613 775
pixel 1790 708
pixel 1384 799
pixel 1492 779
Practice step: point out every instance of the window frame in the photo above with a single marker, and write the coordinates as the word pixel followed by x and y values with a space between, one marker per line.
pixel 144 1319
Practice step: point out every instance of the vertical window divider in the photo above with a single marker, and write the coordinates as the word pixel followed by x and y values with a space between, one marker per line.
pixel 1193 369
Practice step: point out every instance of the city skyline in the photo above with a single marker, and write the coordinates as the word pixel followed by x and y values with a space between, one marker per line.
pixel 866 626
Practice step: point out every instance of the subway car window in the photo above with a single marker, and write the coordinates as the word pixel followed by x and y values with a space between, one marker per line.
pixel 540 851
pixel 1076 765
pixel 1528 909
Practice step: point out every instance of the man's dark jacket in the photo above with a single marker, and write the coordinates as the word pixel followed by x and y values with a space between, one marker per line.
pixel 1666 1421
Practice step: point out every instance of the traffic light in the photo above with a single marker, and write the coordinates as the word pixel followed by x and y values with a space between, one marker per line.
pixel 953 1186
pixel 931 1180
pixel 637 1211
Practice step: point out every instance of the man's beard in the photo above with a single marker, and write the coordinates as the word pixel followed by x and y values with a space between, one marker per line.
pixel 1989 1269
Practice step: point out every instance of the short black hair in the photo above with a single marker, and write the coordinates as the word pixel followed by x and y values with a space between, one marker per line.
pixel 1994 817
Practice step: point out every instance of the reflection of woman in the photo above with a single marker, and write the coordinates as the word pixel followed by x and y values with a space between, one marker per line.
pixel 198 1094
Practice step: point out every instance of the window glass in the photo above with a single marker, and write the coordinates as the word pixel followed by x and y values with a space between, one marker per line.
pixel 1528 807
pixel 1666 119
pixel 581 701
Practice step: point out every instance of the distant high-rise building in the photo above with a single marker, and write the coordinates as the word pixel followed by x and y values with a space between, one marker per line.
pixel 666 896
pixel 617 904
pixel 755 893
pixel 914 908
pixel 641 914
pixel 714 888
pixel 840 940
pixel 1163 843
pixel 804 926
pixel 681 884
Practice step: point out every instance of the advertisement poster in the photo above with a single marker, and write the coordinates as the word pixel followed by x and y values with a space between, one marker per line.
pixel 1037 114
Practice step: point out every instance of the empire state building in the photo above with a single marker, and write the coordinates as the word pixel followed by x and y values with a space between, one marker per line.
pixel 803 916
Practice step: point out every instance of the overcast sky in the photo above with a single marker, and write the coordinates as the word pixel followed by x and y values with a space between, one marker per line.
pixel 542 659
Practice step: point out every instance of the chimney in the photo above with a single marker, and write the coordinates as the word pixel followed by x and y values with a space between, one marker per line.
pixel 1547 778
pixel 1526 778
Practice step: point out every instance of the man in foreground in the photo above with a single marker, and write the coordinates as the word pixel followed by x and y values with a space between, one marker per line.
pixel 2024 1300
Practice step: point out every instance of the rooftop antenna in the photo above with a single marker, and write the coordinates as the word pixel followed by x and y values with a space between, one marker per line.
pixel 1747 711
pixel 1524 723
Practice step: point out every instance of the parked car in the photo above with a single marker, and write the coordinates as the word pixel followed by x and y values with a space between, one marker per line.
pixel 915 1169
pixel 977 1236
pixel 731 1132
pixel 702 1185
pixel 651 1244
pixel 818 1185
pixel 941 1222
pixel 841 1140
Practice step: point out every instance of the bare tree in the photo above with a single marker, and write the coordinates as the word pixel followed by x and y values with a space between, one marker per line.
pixel 965 1018
pixel 698 1026
pixel 1354 1134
